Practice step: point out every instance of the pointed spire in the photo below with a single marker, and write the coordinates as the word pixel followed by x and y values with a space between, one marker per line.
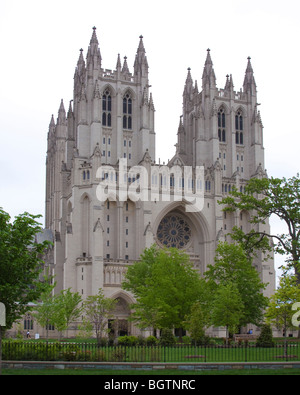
pixel 61 120
pixel 208 76
pixel 125 68
pixel 229 83
pixel 151 103
pixel 94 39
pixel 208 61
pixel 249 81
pixel 188 88
pixel 81 62
pixel 141 47
pixel 196 90
pixel 118 67
pixel 141 63
pixel 70 111
pixel 79 75
pixel 94 55
pixel 52 122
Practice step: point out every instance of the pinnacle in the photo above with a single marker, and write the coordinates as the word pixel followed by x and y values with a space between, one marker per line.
pixel 94 39
pixel 141 47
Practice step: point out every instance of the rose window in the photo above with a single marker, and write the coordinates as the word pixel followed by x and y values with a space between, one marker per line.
pixel 174 231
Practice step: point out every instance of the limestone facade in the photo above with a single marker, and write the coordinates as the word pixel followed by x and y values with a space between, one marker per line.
pixel 107 137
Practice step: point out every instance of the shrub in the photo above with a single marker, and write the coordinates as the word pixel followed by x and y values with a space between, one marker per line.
pixel 186 340
pixel 265 338
pixel 167 338
pixel 128 340
pixel 151 341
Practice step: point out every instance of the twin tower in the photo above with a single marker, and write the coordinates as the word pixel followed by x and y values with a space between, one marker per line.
pixel 109 121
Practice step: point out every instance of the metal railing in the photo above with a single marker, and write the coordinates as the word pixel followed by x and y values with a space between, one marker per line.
pixel 63 351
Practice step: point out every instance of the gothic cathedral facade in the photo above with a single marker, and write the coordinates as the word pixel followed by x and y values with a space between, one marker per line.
pixel 109 129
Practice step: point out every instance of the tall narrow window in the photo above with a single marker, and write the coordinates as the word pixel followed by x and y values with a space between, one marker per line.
pixel 127 112
pixel 106 108
pixel 85 224
pixel 239 127
pixel 221 125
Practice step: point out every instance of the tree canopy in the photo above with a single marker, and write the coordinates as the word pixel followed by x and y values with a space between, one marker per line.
pixel 20 264
pixel 233 272
pixel 165 286
pixel 272 196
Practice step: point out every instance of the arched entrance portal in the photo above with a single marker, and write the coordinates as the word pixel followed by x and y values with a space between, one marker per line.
pixel 119 326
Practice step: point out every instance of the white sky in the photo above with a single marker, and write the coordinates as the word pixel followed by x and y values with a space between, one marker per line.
pixel 40 42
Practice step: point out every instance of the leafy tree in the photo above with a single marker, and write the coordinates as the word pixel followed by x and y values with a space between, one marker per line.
pixel 228 309
pixel 198 321
pixel 165 286
pixel 67 308
pixel 232 266
pixel 98 310
pixel 266 197
pixel 20 266
pixel 45 311
pixel 280 310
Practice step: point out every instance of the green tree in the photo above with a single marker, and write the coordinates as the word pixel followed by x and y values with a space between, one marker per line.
pixel 165 286
pixel 232 266
pixel 228 309
pixel 67 309
pixel 280 312
pixel 98 310
pixel 265 338
pixel 20 266
pixel 45 311
pixel 266 197
pixel 198 321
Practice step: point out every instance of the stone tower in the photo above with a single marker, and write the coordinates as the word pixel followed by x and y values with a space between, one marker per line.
pixel 107 137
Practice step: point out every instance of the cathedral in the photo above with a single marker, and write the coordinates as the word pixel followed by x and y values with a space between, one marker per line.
pixel 107 198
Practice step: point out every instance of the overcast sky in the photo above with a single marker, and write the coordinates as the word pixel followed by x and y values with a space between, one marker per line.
pixel 40 42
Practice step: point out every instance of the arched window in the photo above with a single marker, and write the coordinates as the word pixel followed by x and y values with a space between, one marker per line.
pixel 106 108
pixel 127 111
pixel 239 127
pixel 221 125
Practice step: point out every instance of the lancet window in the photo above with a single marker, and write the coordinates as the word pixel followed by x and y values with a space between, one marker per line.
pixel 239 128
pixel 127 112
pixel 222 125
pixel 106 108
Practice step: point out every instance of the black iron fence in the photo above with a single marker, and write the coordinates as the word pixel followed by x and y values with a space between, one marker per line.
pixel 63 351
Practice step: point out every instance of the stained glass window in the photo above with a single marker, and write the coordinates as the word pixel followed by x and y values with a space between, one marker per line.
pixel 174 231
